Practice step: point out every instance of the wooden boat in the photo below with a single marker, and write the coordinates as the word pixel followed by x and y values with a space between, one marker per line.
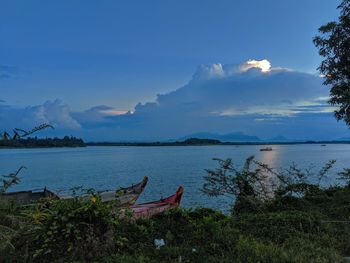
pixel 123 196
pixel 27 197
pixel 267 149
pixel 146 210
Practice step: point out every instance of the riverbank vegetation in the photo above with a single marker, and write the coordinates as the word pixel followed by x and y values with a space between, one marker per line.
pixel 34 142
pixel 276 216
pixel 19 138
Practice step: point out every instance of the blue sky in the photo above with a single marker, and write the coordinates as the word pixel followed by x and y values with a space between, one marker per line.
pixel 81 64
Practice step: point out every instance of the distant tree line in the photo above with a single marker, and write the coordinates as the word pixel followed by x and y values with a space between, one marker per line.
pixel 188 142
pixel 34 142
pixel 203 142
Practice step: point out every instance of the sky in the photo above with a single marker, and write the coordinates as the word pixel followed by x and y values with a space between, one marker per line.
pixel 158 70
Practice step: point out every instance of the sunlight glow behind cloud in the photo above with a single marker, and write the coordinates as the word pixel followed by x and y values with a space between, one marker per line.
pixel 264 65
pixel 112 112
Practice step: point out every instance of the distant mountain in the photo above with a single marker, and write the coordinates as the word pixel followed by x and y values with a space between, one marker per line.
pixel 229 137
pixel 196 141
pixel 278 139
pixel 344 139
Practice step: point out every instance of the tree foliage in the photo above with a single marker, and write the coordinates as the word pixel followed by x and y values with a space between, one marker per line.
pixel 10 179
pixel 20 133
pixel 255 183
pixel 247 186
pixel 333 44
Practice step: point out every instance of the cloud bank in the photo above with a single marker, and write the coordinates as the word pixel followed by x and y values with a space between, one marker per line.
pixel 254 98
pixel 54 112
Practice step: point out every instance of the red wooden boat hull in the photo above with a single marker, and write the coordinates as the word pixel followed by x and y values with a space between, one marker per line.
pixel 146 210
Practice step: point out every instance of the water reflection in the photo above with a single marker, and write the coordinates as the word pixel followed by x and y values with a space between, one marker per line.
pixel 272 158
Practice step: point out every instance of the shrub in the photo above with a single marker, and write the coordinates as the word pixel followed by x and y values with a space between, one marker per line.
pixel 75 229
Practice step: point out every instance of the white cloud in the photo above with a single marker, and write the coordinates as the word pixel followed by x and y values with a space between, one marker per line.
pixel 56 113
pixel 205 72
pixel 53 112
pixel 97 114
pixel 254 98
pixel 226 98
pixel 245 89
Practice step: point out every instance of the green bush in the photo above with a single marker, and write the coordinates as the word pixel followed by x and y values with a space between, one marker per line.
pixel 75 229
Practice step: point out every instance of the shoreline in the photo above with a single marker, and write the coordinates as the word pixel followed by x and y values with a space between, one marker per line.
pixel 164 144
pixel 160 144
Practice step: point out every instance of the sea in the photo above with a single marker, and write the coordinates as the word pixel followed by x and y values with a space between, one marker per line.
pixel 168 167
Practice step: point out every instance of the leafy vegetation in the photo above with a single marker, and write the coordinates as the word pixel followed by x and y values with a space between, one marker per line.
pixel 277 216
pixel 13 225
pixel 333 44
pixel 20 133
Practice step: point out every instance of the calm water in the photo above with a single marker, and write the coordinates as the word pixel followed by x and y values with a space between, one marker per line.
pixel 167 167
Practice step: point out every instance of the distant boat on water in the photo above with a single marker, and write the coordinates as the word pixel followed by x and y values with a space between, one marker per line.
pixel 266 149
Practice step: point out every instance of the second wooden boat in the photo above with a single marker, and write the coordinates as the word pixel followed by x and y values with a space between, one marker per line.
pixel 123 196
